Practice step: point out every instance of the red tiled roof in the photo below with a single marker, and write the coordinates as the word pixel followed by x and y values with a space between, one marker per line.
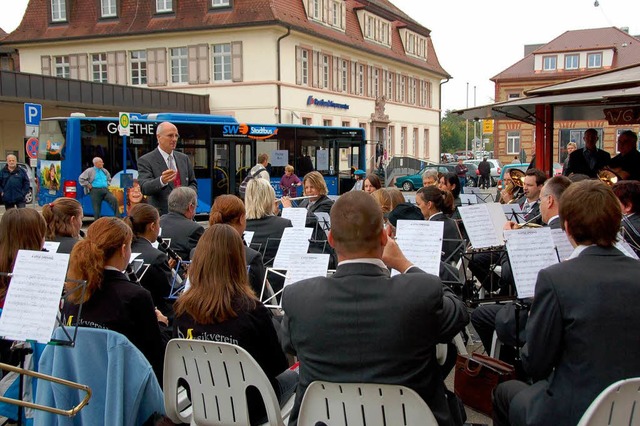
pixel 138 17
pixel 575 41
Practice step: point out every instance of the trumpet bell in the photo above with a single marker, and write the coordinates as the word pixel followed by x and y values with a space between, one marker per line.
pixel 608 176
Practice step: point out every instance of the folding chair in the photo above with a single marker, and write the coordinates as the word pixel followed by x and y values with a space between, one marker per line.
pixel 218 375
pixel 359 404
pixel 618 404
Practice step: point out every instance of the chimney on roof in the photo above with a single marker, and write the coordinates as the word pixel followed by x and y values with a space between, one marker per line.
pixel 625 29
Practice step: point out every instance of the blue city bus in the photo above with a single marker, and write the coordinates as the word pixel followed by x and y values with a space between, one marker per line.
pixel 221 149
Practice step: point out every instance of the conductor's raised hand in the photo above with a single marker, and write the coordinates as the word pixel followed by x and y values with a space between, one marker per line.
pixel 168 176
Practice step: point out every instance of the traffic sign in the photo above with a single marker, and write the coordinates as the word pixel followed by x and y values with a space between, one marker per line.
pixel 125 124
pixel 32 147
pixel 32 114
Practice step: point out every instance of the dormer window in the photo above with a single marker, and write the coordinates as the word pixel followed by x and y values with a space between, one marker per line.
pixel 108 9
pixel 594 60
pixel 375 28
pixel 414 44
pixel 58 10
pixel 164 6
pixel 549 63
pixel 328 12
pixel 571 62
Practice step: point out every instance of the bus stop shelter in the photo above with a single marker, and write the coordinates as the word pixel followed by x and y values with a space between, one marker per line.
pixel 611 95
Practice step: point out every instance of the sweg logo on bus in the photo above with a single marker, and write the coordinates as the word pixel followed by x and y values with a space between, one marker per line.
pixel 252 132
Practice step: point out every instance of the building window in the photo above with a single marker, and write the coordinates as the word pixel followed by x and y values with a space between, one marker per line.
pixel 594 60
pixel 549 63
pixel 62 66
pixel 426 143
pixel 164 6
pixel 325 71
pixel 316 9
pixel 138 67
pixel 376 82
pixel 306 121
pixel 571 62
pixel 58 10
pixel 513 95
pixel 179 62
pixel 305 67
pixel 513 142
pixel 327 123
pixel 219 3
pixel 222 62
pixel 346 124
pixel 412 91
pixel 403 140
pixel 403 88
pixel 344 75
pixel 108 8
pixel 99 67
pixel 392 141
pixel 414 141
pixel 336 14
pixel 360 80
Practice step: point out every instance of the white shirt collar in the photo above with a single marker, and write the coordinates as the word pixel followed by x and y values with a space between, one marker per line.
pixel 369 260
pixel 165 155
pixel 578 250
pixel 552 218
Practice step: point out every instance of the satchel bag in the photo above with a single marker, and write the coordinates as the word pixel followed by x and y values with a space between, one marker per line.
pixel 476 377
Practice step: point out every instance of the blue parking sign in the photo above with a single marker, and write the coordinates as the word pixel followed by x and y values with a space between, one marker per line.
pixel 32 114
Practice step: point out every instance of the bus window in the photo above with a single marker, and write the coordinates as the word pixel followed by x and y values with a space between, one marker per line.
pixel 53 140
pixel 244 162
pixel 94 140
pixel 220 182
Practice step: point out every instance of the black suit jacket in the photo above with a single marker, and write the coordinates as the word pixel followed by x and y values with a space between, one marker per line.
pixel 535 211
pixel 578 164
pixel 631 225
pixel 360 325
pixel 450 233
pixel 150 168
pixel 265 228
pixel 184 233
pixel 157 278
pixel 582 335
pixel 66 243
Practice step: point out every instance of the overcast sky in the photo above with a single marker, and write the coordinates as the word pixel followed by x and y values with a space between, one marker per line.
pixel 476 40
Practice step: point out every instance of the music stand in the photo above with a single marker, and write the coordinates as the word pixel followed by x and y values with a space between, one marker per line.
pixel 178 284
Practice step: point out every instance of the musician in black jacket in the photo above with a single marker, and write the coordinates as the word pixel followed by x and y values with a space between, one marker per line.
pixel 144 221
pixel 588 160
pixel 178 224
pixel 628 192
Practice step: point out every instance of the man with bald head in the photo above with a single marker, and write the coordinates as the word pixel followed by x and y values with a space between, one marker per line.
pixel 163 169
pixel 14 184
pixel 361 324
pixel 95 181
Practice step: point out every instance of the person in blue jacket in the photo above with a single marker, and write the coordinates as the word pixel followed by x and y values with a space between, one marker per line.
pixel 14 184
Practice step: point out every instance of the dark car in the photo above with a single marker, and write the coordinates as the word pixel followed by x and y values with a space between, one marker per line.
pixel 413 182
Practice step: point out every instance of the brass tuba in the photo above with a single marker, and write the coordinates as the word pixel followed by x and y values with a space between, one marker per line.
pixel 513 187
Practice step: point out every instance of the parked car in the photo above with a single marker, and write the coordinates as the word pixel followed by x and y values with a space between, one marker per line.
pixel 496 168
pixel 414 182
pixel 32 179
pixel 445 157
pixel 466 155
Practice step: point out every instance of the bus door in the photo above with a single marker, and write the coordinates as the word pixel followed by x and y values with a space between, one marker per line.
pixel 346 161
pixel 231 160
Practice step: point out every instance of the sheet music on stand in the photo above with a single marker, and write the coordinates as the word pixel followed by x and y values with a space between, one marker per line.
pixel 294 241
pixel 297 216
pixel 32 305
pixel 468 199
pixel 530 250
pixel 421 243
pixel 308 265
pixel 513 212
pixel 484 224
pixel 51 246
pixel 562 243
pixel 247 236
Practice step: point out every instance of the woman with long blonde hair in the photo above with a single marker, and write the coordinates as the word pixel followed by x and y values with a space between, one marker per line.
pixel 220 305
pixel 110 300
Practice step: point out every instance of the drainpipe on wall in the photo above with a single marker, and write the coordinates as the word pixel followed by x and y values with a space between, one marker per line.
pixel 279 75
pixel 440 119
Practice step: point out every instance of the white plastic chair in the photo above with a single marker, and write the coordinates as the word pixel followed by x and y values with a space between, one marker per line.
pixel 618 404
pixel 359 404
pixel 218 375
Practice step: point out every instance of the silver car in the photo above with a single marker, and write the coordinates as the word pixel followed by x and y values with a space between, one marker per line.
pixel 32 180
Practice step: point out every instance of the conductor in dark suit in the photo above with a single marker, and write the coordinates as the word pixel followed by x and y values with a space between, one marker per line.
pixel 361 325
pixel 163 169
pixel 582 332
pixel 588 160
pixel 178 224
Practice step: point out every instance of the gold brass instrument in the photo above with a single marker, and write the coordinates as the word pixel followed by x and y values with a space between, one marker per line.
pixel 513 186
pixel 608 176
pixel 69 413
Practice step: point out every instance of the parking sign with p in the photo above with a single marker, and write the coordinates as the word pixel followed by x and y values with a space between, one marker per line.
pixel 32 117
